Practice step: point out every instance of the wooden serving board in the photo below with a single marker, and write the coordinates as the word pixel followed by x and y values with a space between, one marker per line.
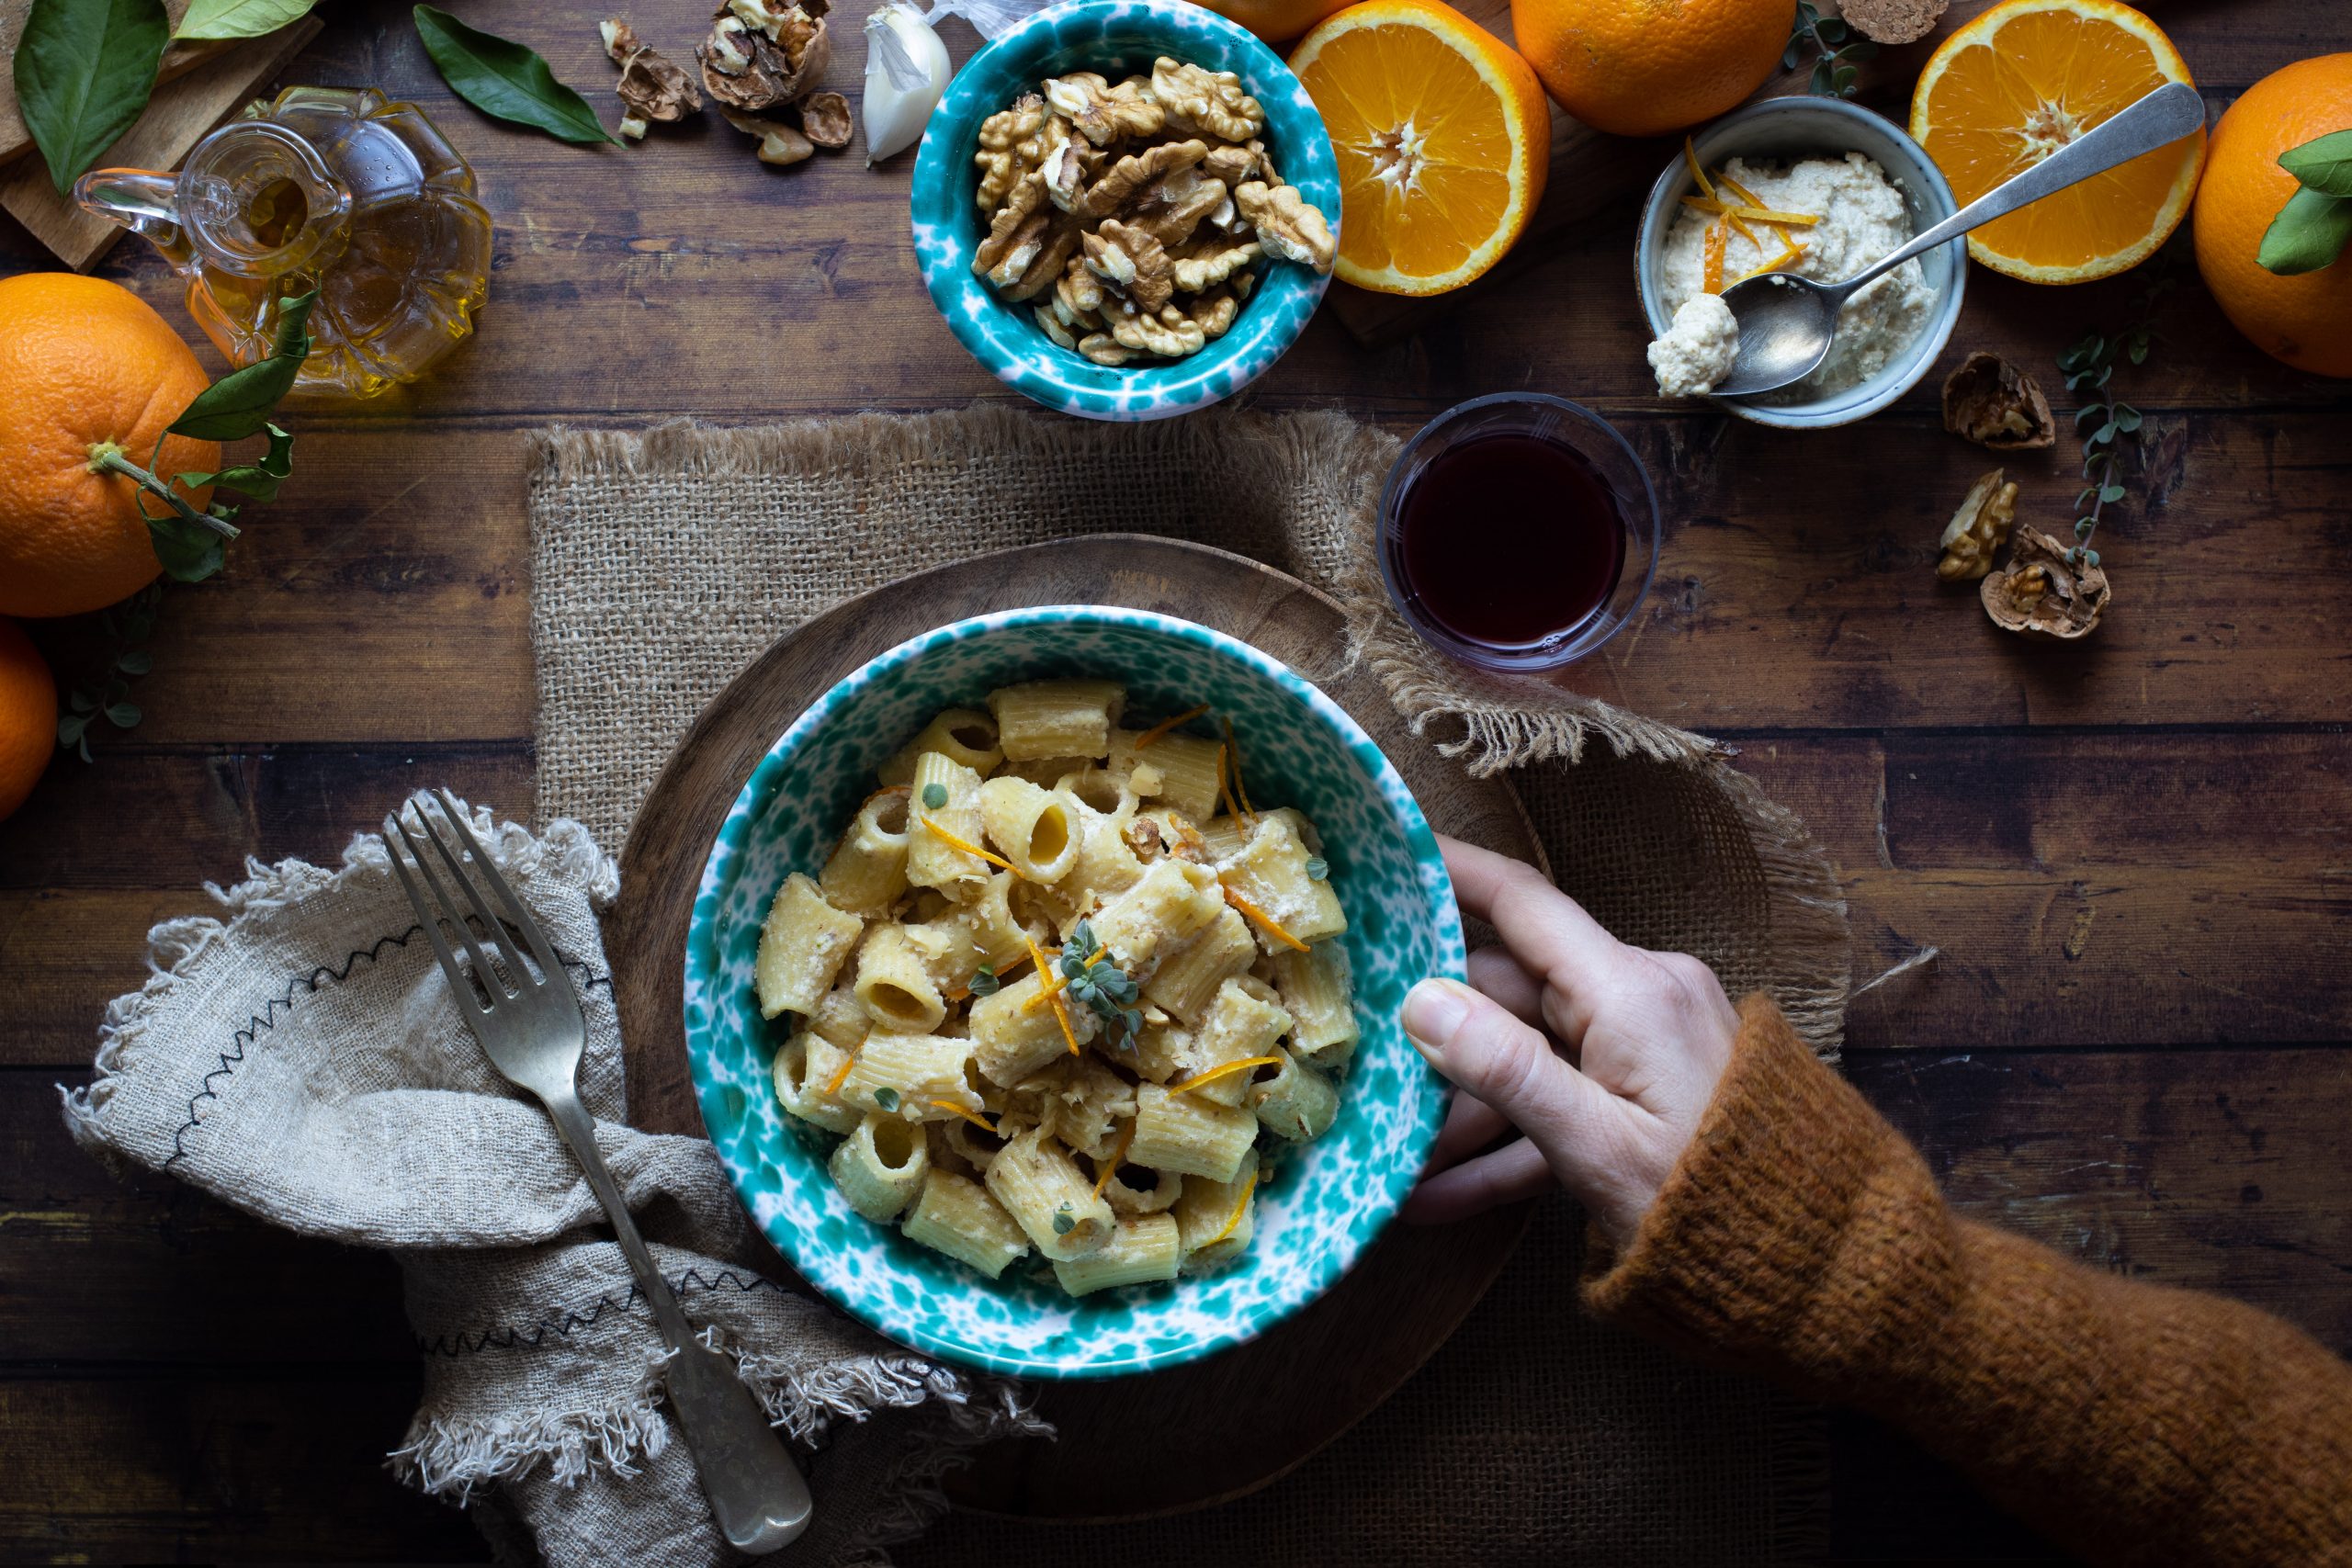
pixel 1237 1420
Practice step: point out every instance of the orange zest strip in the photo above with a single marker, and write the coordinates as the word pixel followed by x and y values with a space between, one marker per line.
pixel 1240 1206
pixel 1739 190
pixel 1118 1153
pixel 1249 812
pixel 1710 276
pixel 1691 156
pixel 840 1076
pixel 953 842
pixel 1792 253
pixel 1273 927
pixel 1736 210
pixel 1245 1065
pixel 1165 725
pixel 1061 1015
pixel 974 1117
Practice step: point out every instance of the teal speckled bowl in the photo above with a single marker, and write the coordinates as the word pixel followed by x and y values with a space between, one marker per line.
pixel 1325 1204
pixel 1112 36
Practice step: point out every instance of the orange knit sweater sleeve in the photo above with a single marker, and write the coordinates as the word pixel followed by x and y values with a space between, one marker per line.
pixel 1802 1238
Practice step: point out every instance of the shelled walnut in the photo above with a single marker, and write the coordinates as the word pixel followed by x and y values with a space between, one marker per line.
pixel 1132 216
pixel 1992 402
pixel 2040 592
pixel 1979 529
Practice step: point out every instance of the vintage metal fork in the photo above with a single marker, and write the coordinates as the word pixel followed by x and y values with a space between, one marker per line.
pixel 529 1022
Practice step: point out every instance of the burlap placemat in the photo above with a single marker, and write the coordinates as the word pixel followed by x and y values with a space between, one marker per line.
pixel 663 562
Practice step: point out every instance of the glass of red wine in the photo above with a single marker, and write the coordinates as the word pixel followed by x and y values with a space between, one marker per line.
pixel 1518 532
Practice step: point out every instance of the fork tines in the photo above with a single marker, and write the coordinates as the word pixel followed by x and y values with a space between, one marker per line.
pixel 509 932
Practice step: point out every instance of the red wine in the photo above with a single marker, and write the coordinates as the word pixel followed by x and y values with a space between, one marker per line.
pixel 1508 540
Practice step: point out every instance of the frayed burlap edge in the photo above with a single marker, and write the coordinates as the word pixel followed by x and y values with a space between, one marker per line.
pixel 1489 723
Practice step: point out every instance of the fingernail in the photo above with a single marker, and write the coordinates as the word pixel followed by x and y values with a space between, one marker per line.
pixel 1432 1010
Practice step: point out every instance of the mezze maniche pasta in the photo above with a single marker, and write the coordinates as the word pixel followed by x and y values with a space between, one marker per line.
pixel 1062 988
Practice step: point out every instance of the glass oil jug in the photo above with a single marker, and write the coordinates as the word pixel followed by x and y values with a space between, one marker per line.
pixel 336 190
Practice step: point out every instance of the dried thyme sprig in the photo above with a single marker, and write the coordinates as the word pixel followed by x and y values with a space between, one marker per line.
pixel 106 693
pixel 1835 72
pixel 2090 364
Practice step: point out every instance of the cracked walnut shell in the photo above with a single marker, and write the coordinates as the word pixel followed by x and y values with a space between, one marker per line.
pixel 2041 594
pixel 1979 529
pixel 760 57
pixel 1992 402
pixel 654 90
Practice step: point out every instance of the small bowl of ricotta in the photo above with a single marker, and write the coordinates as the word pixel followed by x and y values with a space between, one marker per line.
pixel 1837 188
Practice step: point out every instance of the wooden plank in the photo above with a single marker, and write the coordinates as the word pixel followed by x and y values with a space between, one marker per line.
pixel 175 819
pixel 178 60
pixel 180 114
pixel 197 1468
pixel 2154 889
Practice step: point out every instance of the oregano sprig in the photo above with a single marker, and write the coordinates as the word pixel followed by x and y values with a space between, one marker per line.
pixel 2104 419
pixel 1840 54
pixel 106 694
pixel 1106 990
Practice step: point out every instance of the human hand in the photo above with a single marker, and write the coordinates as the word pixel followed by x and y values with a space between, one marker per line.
pixel 1636 1043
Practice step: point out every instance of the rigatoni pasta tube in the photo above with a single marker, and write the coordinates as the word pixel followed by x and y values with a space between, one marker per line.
pixel 1052 1201
pixel 1056 718
pixel 910 1072
pixel 964 736
pixel 1187 1133
pixel 1186 981
pixel 1144 1248
pixel 804 1064
pixel 1206 1218
pixel 1171 902
pixel 1012 1039
pixel 932 860
pixel 959 1217
pixel 867 870
pixel 1035 828
pixel 880 1167
pixel 802 944
pixel 894 985
pixel 1316 992
pixel 1271 871
pixel 841 1017
pixel 1244 1021
pixel 1176 770
pixel 1296 1102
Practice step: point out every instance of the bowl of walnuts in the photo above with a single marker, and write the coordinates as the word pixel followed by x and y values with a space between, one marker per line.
pixel 1126 209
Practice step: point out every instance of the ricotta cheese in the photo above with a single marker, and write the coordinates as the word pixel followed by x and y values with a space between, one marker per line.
pixel 1862 217
pixel 1698 350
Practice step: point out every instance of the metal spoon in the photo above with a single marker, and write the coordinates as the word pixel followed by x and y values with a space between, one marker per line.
pixel 1786 322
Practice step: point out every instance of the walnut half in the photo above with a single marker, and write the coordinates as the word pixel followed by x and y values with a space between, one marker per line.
pixel 1979 529
pixel 2041 594
pixel 1992 402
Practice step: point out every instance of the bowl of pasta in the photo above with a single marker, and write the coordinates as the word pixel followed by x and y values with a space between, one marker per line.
pixel 1042 984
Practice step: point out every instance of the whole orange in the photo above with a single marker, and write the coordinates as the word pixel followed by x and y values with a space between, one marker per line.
pixel 1641 67
pixel 28 717
pixel 2305 320
pixel 84 363
pixel 1276 21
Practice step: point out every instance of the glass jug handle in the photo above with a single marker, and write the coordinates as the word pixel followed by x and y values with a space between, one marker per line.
pixel 144 203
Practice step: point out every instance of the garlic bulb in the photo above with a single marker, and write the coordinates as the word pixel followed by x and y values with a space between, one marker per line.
pixel 905 72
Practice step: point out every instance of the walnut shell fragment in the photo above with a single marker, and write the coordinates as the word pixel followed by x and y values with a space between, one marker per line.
pixel 2041 594
pixel 825 119
pixel 655 89
pixel 1992 402
pixel 1979 529
pixel 780 144
pixel 760 55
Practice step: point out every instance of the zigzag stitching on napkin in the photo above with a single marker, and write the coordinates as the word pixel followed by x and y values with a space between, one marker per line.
pixel 267 1019
pixel 463 1344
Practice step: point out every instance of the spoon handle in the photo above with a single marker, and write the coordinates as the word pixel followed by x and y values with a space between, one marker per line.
pixel 2161 117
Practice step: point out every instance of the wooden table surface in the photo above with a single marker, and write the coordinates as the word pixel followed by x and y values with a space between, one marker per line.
pixel 2135 855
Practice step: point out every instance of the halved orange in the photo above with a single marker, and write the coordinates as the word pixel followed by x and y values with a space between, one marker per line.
pixel 2021 81
pixel 1443 138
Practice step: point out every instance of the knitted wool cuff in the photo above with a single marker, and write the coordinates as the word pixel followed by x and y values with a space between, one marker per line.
pixel 1797 1233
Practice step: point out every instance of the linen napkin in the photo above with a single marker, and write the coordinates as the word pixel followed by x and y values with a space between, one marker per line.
pixel 301 1058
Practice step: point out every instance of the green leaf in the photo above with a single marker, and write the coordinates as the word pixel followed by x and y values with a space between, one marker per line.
pixel 240 403
pixel 84 70
pixel 985 983
pixel 887 1098
pixel 2308 233
pixel 190 553
pixel 69 727
pixel 501 77
pixel 2126 418
pixel 260 480
pixel 240 18
pixel 2110 494
pixel 138 662
pixel 124 716
pixel 2322 163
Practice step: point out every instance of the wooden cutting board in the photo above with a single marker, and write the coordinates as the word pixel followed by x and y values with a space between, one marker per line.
pixel 1233 1422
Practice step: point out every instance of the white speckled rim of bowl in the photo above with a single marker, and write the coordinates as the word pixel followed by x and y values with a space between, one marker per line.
pixel 1786 129
pixel 1359 1174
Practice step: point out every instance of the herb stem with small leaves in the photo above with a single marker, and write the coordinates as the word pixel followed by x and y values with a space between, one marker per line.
pixel 1838 55
pixel 2104 419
